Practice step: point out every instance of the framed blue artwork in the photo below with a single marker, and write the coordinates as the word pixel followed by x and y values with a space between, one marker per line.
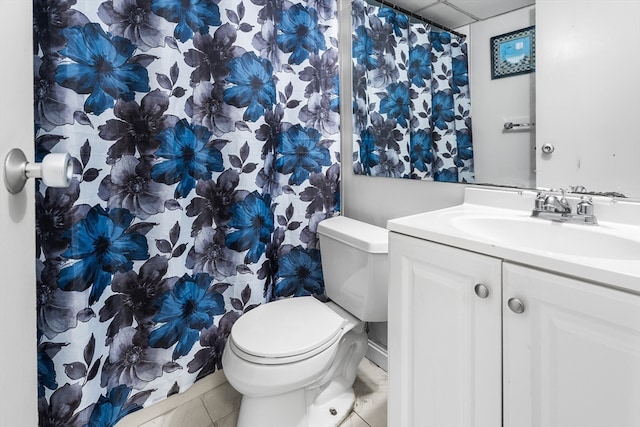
pixel 513 53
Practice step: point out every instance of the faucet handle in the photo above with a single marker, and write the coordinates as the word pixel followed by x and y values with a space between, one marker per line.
pixel 564 203
pixel 585 206
pixel 539 203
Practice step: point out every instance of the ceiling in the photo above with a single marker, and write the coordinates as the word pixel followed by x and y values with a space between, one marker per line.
pixel 456 13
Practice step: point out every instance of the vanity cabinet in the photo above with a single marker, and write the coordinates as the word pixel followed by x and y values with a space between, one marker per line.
pixel 477 341
pixel 444 341
pixel 572 357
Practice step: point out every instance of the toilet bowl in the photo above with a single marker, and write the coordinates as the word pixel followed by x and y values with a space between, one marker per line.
pixel 284 377
pixel 295 360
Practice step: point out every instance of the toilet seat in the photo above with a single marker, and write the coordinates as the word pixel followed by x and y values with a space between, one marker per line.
pixel 273 333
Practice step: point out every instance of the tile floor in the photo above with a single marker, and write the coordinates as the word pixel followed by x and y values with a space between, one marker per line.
pixel 219 407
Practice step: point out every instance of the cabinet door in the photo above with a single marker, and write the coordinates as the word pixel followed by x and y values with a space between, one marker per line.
pixel 444 340
pixel 572 357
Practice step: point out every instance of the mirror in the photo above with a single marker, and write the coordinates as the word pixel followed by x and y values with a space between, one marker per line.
pixel 583 113
pixel 410 97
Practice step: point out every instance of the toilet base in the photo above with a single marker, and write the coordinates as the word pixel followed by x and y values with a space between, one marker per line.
pixel 290 410
pixel 328 392
pixel 283 410
pixel 333 412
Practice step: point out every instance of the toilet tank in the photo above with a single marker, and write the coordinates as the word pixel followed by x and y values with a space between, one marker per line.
pixel 355 266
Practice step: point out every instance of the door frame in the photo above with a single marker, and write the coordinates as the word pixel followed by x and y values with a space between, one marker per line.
pixel 18 354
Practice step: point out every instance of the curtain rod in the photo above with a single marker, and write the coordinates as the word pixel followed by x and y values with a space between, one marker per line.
pixel 416 16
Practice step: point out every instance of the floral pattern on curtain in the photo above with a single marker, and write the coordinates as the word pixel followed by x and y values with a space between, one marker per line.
pixel 205 141
pixel 411 100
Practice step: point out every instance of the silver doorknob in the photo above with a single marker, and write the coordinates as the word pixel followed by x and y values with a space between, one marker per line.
pixel 548 148
pixel 516 305
pixel 481 290
pixel 55 170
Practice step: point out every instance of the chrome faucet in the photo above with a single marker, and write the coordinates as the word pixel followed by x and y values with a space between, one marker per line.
pixel 554 208
pixel 556 205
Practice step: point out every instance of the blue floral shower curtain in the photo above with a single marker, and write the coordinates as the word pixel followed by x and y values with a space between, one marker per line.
pixel 412 110
pixel 206 145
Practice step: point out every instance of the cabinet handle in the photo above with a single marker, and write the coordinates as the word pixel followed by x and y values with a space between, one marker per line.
pixel 481 290
pixel 516 305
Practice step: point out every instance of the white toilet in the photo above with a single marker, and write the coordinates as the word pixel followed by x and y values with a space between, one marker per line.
pixel 295 360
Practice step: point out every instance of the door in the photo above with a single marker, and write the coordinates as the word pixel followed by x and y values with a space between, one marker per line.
pixel 18 393
pixel 572 356
pixel 444 339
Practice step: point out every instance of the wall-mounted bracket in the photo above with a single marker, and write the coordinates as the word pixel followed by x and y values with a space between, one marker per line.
pixel 55 170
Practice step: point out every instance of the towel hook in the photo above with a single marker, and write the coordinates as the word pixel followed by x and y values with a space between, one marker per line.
pixel 511 125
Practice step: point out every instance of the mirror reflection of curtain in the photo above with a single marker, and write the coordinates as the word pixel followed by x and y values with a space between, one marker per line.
pixel 411 101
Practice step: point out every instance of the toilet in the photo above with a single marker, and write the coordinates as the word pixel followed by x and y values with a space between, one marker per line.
pixel 295 360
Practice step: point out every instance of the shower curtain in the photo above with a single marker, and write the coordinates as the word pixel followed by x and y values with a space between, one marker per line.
pixel 206 143
pixel 411 100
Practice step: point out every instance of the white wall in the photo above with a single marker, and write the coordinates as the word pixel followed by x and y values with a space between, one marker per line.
pixel 505 157
pixel 588 103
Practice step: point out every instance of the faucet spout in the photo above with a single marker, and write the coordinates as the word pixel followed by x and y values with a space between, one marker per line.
pixel 556 205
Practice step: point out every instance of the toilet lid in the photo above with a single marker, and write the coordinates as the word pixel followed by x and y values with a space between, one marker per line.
pixel 287 327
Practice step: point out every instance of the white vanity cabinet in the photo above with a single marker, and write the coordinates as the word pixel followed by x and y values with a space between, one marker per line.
pixel 525 348
pixel 572 357
pixel 444 341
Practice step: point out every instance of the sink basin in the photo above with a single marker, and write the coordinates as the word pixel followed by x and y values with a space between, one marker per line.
pixel 498 223
pixel 563 239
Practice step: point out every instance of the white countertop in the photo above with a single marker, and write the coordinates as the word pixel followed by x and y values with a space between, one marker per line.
pixel 616 219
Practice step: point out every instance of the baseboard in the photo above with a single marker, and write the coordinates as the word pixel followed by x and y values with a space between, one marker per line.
pixel 377 354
